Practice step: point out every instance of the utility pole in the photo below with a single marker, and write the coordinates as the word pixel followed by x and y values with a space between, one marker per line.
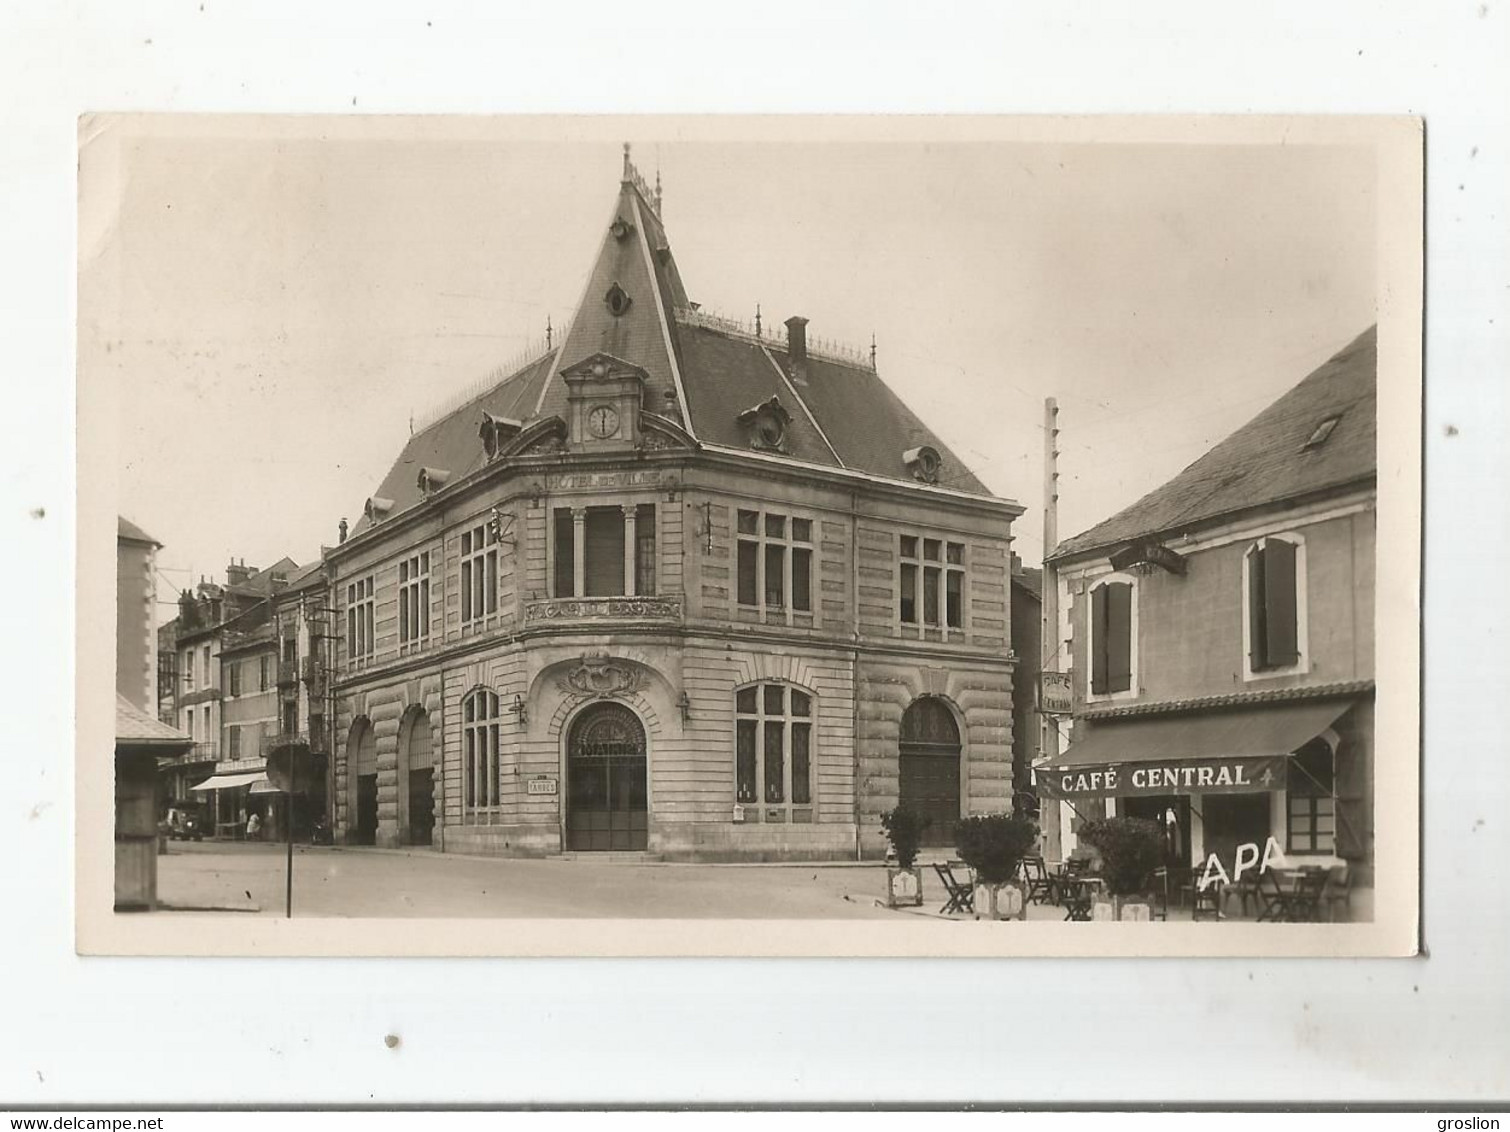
pixel 1048 745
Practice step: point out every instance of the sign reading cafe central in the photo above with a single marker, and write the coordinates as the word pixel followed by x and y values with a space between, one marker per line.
pixel 1185 776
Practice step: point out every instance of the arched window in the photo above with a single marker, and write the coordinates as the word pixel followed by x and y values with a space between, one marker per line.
pixel 773 762
pixel 479 716
pixel 1113 624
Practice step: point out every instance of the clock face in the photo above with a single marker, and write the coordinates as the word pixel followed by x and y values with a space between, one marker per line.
pixel 602 421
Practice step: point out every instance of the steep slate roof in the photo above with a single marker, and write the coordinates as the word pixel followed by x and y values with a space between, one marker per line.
pixel 1030 580
pixel 135 728
pixel 1266 461
pixel 711 374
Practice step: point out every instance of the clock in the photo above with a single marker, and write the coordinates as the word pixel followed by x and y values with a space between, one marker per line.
pixel 602 421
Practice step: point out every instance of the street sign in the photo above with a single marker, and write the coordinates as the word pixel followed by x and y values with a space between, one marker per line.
pixel 1054 696
pixel 541 785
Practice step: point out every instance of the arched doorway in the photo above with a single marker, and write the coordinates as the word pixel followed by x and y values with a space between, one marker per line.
pixel 928 767
pixel 416 779
pixel 605 780
pixel 362 792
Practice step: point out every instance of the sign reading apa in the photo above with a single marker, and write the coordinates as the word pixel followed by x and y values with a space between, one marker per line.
pixel 1215 871
pixel 1054 695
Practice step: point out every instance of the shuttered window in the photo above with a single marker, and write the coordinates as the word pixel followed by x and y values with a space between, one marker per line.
pixel 565 559
pixel 1111 638
pixel 1273 616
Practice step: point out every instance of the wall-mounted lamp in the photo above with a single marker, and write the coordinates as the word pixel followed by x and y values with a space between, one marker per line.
pixel 684 702
pixel 520 709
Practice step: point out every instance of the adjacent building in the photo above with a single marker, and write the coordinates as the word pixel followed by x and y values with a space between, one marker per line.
pixel 224 695
pixel 676 585
pixel 1221 636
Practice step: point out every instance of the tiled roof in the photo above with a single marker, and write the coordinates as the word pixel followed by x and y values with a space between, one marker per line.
pixel 1233 700
pixel 126 530
pixel 260 584
pixel 1267 460
pixel 1029 578
pixel 135 727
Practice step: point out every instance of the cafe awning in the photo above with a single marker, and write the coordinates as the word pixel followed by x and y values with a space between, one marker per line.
pixel 1231 751
pixel 263 786
pixel 229 781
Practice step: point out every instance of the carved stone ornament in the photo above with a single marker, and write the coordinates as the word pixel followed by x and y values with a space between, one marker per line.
pixel 599 675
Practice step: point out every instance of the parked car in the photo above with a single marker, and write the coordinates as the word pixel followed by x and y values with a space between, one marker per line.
pixel 184 825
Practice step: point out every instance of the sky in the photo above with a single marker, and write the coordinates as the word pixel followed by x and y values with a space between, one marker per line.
pixel 272 303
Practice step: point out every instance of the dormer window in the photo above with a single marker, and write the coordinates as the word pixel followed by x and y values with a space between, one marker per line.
pixel 767 424
pixel 618 300
pixel 376 509
pixel 432 480
pixel 923 462
pixel 495 431
pixel 1323 431
pixel 620 229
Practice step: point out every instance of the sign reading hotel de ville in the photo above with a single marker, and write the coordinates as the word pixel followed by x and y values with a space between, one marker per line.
pixel 1054 696
pixel 1185 776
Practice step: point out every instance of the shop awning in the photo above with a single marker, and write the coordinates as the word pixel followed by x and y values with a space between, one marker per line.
pixel 229 781
pixel 1237 751
pixel 263 786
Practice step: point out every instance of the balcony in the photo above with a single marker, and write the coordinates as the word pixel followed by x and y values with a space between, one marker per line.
pixel 602 610
pixel 197 753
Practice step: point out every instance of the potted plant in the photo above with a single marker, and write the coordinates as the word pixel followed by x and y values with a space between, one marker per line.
pixel 994 846
pixel 904 882
pixel 1131 849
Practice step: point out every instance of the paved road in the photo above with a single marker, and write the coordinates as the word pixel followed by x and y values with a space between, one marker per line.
pixel 370 882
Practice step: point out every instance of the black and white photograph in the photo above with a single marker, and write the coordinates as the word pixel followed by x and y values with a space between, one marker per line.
pixel 754 536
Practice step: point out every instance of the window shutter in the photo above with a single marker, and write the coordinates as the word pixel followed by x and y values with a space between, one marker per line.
pixel 1279 603
pixel 1118 637
pixel 1257 623
pixel 1098 640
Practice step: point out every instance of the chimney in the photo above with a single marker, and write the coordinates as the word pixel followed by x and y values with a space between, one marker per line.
pixel 236 573
pixel 343 529
pixel 796 339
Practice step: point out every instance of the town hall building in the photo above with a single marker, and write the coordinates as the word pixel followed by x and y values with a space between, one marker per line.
pixel 677 586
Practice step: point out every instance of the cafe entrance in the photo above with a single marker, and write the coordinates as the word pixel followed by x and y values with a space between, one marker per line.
pixel 1172 815
pixel 606 794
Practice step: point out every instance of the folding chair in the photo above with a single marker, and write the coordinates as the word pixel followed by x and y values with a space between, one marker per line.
pixel 1339 891
pixel 1078 896
pixel 1277 904
pixel 1205 903
pixel 1305 905
pixel 961 895
pixel 1158 895
pixel 1040 884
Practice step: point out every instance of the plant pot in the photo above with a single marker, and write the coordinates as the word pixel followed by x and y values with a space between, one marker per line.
pixel 1007 901
pixel 1103 909
pixel 904 887
pixel 1133 909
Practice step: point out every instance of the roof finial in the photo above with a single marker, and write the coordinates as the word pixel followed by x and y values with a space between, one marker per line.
pixel 658 186
pixel 627 166
pixel 872 349
pixel 547 332
pixel 757 320
pixel 411 421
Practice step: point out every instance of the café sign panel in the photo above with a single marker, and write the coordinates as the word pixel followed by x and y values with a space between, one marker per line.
pixel 1177 776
